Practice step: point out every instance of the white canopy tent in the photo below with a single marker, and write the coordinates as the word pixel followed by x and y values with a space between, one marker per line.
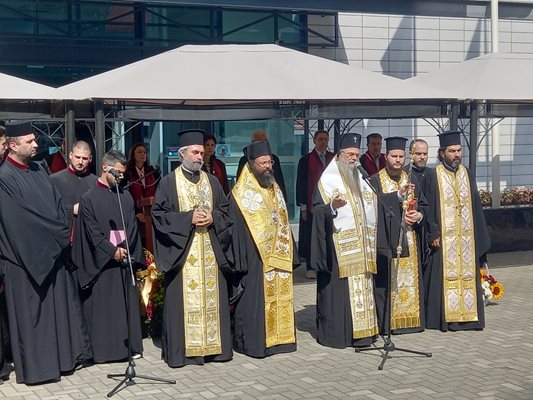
pixel 20 98
pixel 502 82
pixel 213 78
pixel 498 77
pixel 232 82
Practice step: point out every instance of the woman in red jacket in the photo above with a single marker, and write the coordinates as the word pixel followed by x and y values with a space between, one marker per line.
pixel 140 177
pixel 213 165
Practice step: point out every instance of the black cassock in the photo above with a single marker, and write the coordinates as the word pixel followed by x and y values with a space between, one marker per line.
pixel 388 237
pixel 249 319
pixel 5 347
pixel 333 311
pixel 174 232
pixel 433 274
pixel 71 186
pixel 105 283
pixel 45 322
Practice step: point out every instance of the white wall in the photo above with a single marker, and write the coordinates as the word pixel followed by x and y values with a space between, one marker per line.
pixel 404 46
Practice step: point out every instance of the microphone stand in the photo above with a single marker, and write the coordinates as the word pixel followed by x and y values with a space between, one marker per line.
pixel 388 344
pixel 129 375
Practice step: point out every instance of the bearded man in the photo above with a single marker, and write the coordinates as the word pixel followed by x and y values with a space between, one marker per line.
pixel 192 246
pixel 343 251
pixel 459 241
pixel 406 287
pixel 264 255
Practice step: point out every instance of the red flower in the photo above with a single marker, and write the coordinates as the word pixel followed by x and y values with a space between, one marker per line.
pixel 149 311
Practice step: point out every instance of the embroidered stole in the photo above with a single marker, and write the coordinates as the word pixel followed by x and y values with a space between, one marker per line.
pixel 267 219
pixel 354 237
pixel 458 245
pixel 405 289
pixel 200 275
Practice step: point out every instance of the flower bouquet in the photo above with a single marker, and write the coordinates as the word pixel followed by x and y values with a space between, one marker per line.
pixel 492 289
pixel 152 295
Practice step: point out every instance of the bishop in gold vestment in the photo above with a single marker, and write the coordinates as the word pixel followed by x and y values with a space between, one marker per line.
pixel 264 255
pixel 343 251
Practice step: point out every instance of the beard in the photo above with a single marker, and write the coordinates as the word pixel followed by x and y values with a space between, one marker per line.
pixel 452 163
pixel 350 175
pixel 264 178
pixel 395 174
pixel 193 166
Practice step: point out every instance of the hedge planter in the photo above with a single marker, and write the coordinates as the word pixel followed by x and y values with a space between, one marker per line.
pixel 510 228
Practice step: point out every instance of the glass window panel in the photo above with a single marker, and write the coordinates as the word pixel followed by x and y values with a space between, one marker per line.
pixel 247 27
pixel 178 24
pixel 52 11
pixel 34 17
pixel 291 32
pixel 103 20
pixel 11 20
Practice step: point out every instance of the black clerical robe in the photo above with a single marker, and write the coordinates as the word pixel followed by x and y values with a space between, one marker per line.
pixel 310 168
pixel 418 176
pixel 174 233
pixel 47 334
pixel 71 185
pixel 434 275
pixel 333 310
pixel 5 347
pixel 106 287
pixel 389 216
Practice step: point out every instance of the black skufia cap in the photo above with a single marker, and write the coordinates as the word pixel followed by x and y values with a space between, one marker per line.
pixel 191 137
pixel 395 143
pixel 449 138
pixel 349 140
pixel 257 149
pixel 18 128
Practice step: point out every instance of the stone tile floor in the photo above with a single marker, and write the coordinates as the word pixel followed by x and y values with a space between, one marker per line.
pixel 496 363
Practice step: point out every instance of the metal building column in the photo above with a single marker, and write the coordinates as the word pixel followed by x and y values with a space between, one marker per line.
pixel 99 134
pixel 70 128
pixel 474 128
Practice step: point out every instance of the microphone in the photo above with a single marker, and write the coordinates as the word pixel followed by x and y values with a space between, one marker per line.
pixel 361 170
pixel 115 172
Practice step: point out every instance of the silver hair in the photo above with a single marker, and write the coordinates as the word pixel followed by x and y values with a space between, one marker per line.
pixel 182 150
pixel 350 175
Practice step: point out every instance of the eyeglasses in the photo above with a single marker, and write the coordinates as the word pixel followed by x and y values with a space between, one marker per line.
pixel 264 164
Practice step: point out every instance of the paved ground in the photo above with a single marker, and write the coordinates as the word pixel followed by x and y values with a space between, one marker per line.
pixel 496 363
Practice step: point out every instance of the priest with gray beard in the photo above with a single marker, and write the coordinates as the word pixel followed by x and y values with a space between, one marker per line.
pixel 192 246
pixel 343 251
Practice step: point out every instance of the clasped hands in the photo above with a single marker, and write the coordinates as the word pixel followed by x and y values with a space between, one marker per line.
pixel 201 218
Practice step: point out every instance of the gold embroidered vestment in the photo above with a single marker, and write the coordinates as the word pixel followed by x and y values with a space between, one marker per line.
pixel 200 274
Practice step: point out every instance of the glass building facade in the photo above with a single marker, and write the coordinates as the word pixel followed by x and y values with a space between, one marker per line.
pixel 57 42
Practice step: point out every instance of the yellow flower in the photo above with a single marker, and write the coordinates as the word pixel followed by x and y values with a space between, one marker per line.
pixel 497 290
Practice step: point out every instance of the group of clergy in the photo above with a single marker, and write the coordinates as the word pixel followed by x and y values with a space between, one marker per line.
pixel 70 247
pixel 399 251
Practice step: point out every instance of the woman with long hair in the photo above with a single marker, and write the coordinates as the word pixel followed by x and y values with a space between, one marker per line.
pixel 140 177
pixel 213 165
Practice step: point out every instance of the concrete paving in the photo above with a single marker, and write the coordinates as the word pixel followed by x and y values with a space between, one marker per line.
pixel 496 363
